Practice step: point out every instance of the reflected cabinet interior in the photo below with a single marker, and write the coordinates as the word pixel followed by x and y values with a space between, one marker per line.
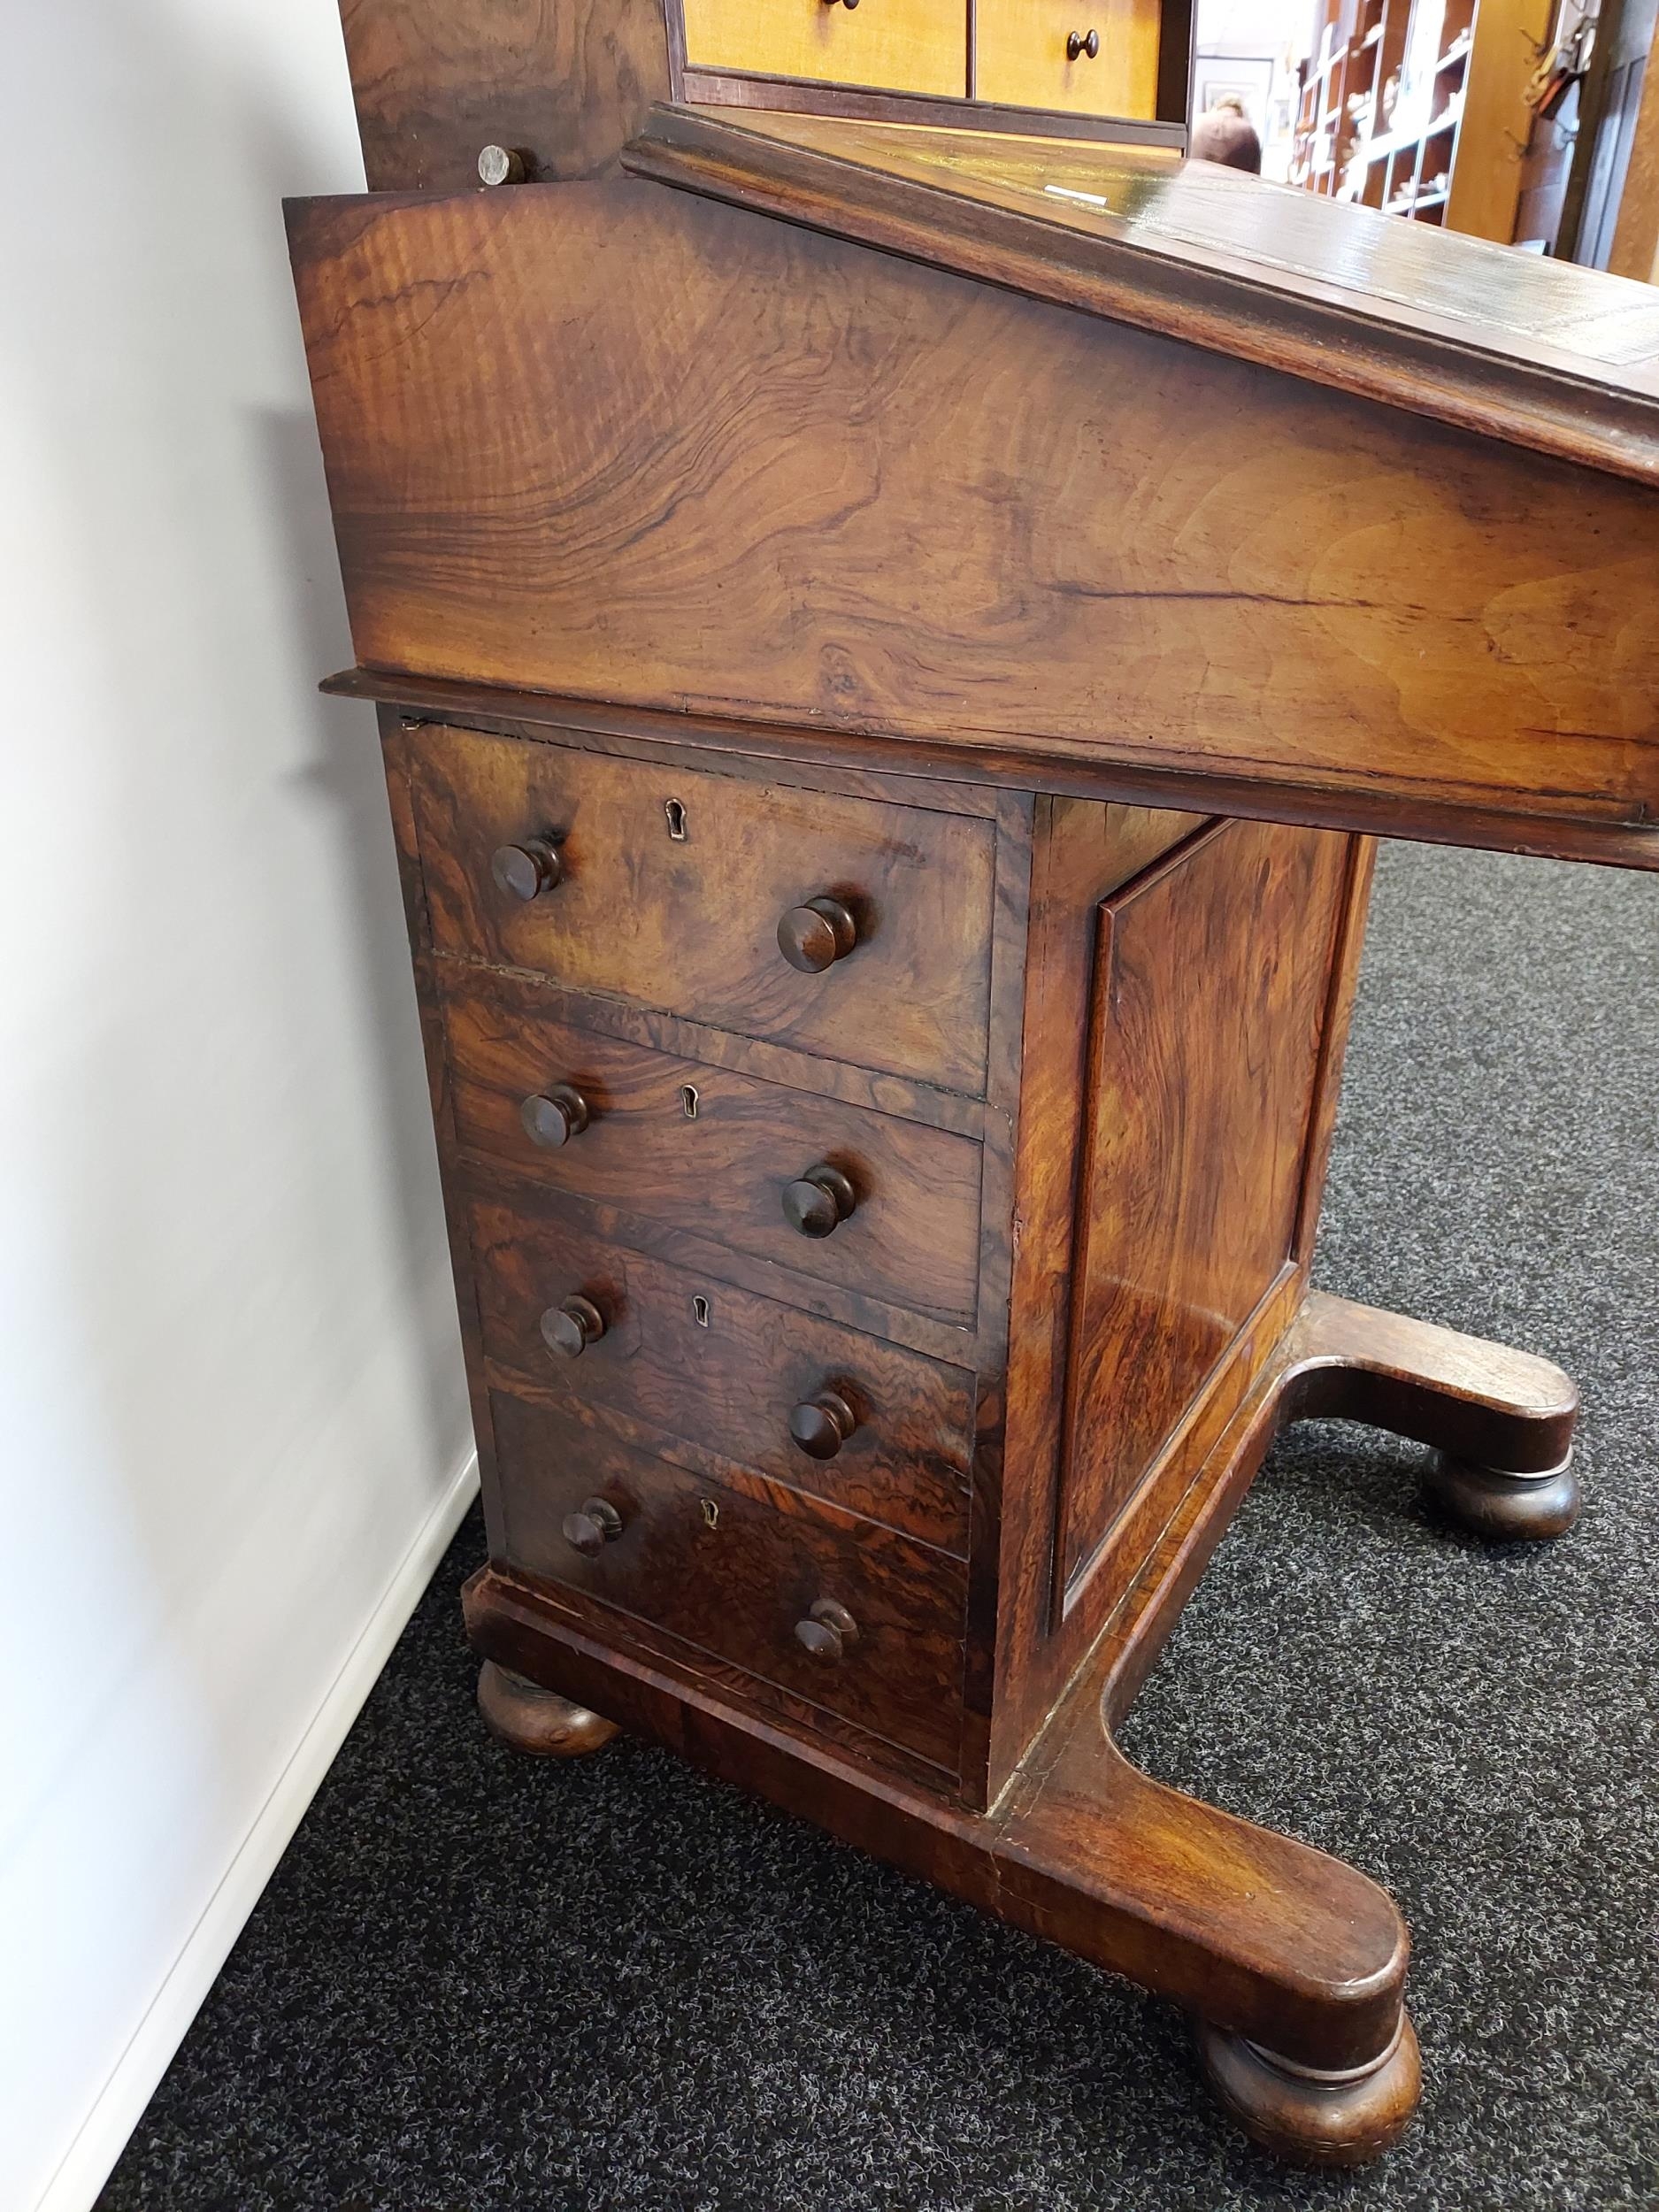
pixel 893 643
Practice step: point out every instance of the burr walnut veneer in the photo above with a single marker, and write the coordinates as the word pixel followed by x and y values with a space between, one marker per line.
pixel 892 652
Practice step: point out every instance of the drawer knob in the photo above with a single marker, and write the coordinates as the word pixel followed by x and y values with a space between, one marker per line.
pixel 846 4
pixel 818 1202
pixel 568 1329
pixel 1082 42
pixel 821 1425
pixel 597 1525
pixel 554 1116
pixel 524 872
pixel 502 164
pixel 815 936
pixel 827 1629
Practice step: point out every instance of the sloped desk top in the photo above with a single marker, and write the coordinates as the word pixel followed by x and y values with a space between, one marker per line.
pixel 1077 467
pixel 1563 359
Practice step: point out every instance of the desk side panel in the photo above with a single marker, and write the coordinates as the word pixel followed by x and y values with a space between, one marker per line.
pixel 625 444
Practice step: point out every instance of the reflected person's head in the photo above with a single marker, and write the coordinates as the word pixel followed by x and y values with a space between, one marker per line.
pixel 1225 134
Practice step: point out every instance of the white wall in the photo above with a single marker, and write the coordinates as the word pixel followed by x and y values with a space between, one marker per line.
pixel 230 1391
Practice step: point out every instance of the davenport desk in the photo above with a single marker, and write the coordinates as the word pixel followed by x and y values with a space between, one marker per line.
pixel 893 643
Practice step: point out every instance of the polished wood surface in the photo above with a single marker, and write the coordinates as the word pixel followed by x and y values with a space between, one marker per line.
pixel 974 519
pixel 1538 351
pixel 902 45
pixel 437 80
pixel 708 1373
pixel 1013 764
pixel 1260 1936
pixel 673 892
pixel 665 1131
pixel 1035 53
pixel 1210 984
pixel 732 1566
pixel 535 1720
pixel 876 740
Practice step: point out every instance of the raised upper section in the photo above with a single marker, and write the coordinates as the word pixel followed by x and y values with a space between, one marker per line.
pixel 1563 359
pixel 563 83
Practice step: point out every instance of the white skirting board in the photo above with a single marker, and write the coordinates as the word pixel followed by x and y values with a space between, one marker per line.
pixel 118 2105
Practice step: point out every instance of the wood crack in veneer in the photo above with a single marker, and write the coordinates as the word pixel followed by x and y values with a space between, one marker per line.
pixel 890 659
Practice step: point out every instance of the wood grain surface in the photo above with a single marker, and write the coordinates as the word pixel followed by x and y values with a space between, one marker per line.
pixel 694 1359
pixel 719 1171
pixel 902 45
pixel 565 83
pixel 1541 352
pixel 740 469
pixel 1211 987
pixel 732 1568
pixel 687 920
pixel 1020 55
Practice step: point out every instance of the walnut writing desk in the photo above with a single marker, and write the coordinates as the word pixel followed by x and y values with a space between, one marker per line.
pixel 892 648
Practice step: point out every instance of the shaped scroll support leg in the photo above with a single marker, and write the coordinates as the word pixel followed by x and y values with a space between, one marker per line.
pixel 1292 1963
pixel 535 1720
pixel 1501 1421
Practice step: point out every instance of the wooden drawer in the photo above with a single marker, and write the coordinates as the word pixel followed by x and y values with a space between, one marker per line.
pixel 732 1566
pixel 897 45
pixel 1021 57
pixel 673 884
pixel 703 1150
pixel 698 1360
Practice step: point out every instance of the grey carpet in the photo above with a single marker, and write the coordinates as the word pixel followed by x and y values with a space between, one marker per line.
pixel 479 1982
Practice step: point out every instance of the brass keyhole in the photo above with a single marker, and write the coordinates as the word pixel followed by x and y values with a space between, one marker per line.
pixel 689 1101
pixel 700 1312
pixel 710 1512
pixel 676 815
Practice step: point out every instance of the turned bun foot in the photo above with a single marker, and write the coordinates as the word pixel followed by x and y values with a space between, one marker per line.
pixel 1488 1502
pixel 1312 2118
pixel 539 1721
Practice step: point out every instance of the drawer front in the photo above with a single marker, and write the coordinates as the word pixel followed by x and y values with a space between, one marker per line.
pixel 697 1359
pixel 1022 56
pixel 702 1149
pixel 673 885
pixel 897 45
pixel 732 1567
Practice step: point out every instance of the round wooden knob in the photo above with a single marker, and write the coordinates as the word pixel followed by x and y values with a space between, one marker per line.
pixel 1082 43
pixel 597 1525
pixel 524 872
pixel 815 936
pixel 827 1629
pixel 502 165
pixel 568 1329
pixel 554 1116
pixel 818 1202
pixel 821 1425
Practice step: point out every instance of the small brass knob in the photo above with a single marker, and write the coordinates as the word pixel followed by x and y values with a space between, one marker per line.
pixel 821 1425
pixel 524 872
pixel 554 1116
pixel 502 165
pixel 597 1525
pixel 827 1629
pixel 819 1201
pixel 570 1328
pixel 815 936
pixel 1082 43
